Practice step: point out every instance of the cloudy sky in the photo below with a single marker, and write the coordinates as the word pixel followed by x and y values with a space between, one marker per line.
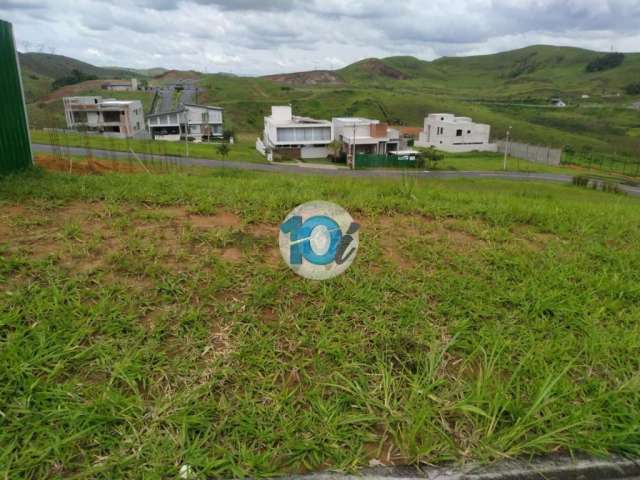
pixel 270 36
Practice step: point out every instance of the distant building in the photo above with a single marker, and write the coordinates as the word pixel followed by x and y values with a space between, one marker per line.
pixel 121 85
pixel 585 96
pixel 366 135
pixel 295 137
pixel 558 102
pixel 635 106
pixel 197 122
pixel 108 117
pixel 447 132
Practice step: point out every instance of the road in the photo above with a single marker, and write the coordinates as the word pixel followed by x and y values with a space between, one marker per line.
pixel 340 172
pixel 165 102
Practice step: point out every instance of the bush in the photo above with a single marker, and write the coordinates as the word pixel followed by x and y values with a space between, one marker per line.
pixel 76 76
pixel 605 62
pixel 228 133
pixel 430 157
pixel 569 150
pixel 633 89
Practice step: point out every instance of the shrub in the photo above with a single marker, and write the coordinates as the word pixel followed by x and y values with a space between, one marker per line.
pixel 633 88
pixel 605 62
pixel 228 133
pixel 76 76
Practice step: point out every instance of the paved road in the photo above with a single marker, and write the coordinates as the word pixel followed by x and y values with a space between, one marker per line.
pixel 165 103
pixel 339 172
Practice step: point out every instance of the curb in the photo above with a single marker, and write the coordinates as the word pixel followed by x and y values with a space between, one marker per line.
pixel 547 468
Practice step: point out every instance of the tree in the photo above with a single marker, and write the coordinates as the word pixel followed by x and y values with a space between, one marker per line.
pixel 431 157
pixel 223 150
pixel 335 147
pixel 605 62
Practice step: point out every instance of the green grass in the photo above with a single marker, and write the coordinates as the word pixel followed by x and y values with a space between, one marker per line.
pixel 146 322
pixel 244 148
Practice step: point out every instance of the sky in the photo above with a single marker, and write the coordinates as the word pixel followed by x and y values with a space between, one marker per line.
pixel 256 37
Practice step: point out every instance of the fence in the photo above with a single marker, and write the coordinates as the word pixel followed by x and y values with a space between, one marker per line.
pixel 15 147
pixel 364 160
pixel 533 153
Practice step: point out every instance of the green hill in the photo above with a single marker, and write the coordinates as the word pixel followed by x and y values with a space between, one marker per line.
pixel 505 89
pixel 58 66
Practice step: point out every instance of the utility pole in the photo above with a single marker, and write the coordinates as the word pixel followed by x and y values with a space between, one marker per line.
pixel 506 149
pixel 353 158
pixel 186 136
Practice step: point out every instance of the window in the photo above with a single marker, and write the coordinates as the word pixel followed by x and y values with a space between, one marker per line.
pixel 80 117
pixel 458 133
pixel 205 117
pixel 468 131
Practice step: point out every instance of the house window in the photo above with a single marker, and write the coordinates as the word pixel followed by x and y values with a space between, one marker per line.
pixel 205 117
pixel 458 133
pixel 468 131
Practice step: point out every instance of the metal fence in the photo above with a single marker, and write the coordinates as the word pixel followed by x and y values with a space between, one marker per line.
pixel 15 145
pixel 533 153
pixel 364 160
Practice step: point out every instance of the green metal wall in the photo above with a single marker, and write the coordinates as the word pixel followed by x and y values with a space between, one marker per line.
pixel 15 145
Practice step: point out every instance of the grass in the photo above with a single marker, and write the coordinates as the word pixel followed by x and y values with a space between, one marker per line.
pixel 243 149
pixel 147 322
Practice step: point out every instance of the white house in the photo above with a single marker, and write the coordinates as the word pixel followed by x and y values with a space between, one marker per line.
pixel 108 117
pixel 558 102
pixel 449 133
pixel 197 122
pixel 295 137
pixel 368 136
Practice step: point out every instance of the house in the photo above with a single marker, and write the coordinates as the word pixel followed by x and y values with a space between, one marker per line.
pixel 635 105
pixel 365 135
pixel 121 85
pixel 294 137
pixel 197 122
pixel 109 117
pixel 558 102
pixel 449 133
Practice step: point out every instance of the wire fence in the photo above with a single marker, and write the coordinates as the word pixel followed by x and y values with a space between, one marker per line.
pixel 606 163
pixel 88 152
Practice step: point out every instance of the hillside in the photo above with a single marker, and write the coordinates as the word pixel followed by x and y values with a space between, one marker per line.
pixel 505 89
pixel 537 71
pixel 58 66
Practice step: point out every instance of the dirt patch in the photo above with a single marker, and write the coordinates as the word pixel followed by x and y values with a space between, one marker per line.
pixel 268 315
pixel 273 257
pixel 219 220
pixel 232 255
pixel 73 90
pixel 89 166
pixel 263 230
pixel 174 211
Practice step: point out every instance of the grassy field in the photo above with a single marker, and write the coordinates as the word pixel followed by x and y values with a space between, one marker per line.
pixel 244 149
pixel 147 322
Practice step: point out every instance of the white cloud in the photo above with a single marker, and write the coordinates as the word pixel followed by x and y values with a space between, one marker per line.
pixel 270 36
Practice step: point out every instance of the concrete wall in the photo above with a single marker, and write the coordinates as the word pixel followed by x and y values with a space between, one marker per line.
pixel 342 126
pixel 314 152
pixel 533 153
